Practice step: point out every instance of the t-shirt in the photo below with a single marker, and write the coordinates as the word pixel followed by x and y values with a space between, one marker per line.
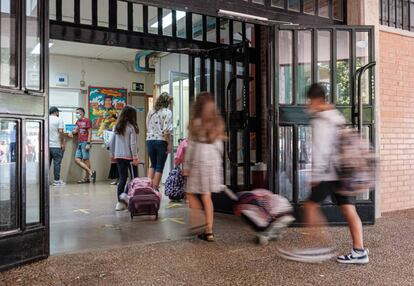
pixel 83 125
pixel 55 123
pixel 159 123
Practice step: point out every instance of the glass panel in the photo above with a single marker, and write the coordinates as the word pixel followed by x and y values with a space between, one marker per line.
pixel 285 67
pixel 304 64
pixel 152 20
pixel 138 21
pixel 166 22
pixel 181 26
pixel 224 32
pixel 294 5
pixel 103 15
pixel 197 76
pixel 197 27
pixel 392 12
pixel 240 159
pixel 52 8
pixel 366 130
pixel 324 61
pixel 343 61
pixel 412 15
pixel 399 13
pixel 33 49
pixel 68 11
pixel 304 161
pixel 384 16
pixel 8 43
pixel 309 6
pixel 286 162
pixel 33 159
pixel 211 29
pixel 252 90
pixel 258 1
pixel 176 94
pixel 278 3
pixel 218 83
pixel 324 8
pixel 362 58
pixel 8 175
pixel 237 32
pixel 239 87
pixel 208 75
pixel 86 12
pixel 406 16
pixel 122 15
pixel 227 77
pixel 338 6
pixel 250 34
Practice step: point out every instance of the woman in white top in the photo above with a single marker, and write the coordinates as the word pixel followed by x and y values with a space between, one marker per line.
pixel 159 128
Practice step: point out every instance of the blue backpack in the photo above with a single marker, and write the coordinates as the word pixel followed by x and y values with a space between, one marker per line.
pixel 174 185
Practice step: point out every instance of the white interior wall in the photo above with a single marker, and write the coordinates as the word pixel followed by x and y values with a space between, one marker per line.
pixel 96 73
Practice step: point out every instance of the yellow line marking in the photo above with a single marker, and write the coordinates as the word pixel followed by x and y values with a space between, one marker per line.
pixel 84 211
pixel 173 205
pixel 174 219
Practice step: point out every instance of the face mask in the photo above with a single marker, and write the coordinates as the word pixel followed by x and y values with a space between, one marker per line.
pixel 78 116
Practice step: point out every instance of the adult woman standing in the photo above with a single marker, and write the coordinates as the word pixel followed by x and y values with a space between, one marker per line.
pixel 124 150
pixel 159 128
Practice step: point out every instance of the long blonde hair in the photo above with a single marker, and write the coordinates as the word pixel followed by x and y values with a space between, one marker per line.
pixel 205 127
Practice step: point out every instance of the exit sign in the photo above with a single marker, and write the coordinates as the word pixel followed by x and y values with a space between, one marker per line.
pixel 137 86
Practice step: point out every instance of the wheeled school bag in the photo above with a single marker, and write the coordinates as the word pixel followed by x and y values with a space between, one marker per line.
pixel 143 198
pixel 174 185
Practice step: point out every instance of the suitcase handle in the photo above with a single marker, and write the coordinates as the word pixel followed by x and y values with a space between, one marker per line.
pixel 132 168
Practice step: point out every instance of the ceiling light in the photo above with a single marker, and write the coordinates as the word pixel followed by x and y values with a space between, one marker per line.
pixel 167 20
pixel 36 49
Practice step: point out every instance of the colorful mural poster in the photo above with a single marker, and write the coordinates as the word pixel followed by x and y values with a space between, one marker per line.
pixel 105 104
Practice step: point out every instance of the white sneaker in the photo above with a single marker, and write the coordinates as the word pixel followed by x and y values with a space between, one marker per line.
pixel 124 198
pixel 354 257
pixel 58 183
pixel 120 206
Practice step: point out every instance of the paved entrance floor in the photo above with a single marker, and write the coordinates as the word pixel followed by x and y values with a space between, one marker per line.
pixel 83 217
pixel 233 259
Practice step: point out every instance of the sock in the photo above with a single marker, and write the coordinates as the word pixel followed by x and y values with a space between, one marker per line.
pixel 359 251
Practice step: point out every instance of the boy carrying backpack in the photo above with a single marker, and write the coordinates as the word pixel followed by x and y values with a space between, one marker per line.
pixel 341 168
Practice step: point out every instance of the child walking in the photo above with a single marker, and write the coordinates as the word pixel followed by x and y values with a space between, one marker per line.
pixel 203 164
pixel 124 151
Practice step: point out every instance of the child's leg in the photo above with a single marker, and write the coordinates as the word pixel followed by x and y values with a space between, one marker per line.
pixel 354 224
pixel 195 220
pixel 208 211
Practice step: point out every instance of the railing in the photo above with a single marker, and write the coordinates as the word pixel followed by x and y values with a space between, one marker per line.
pixel 397 13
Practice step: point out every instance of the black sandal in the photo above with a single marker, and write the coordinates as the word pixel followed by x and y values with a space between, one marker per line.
pixel 209 237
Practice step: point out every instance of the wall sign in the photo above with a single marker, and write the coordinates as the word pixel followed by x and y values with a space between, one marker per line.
pixel 62 80
pixel 137 86
pixel 105 104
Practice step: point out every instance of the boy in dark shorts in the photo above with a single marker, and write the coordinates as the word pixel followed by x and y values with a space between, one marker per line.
pixel 326 122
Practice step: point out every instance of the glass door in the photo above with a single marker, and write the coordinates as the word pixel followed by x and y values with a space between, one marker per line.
pixel 179 90
pixel 24 215
pixel 333 57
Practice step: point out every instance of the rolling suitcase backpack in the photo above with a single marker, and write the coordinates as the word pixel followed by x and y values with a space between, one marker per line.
pixel 174 185
pixel 143 198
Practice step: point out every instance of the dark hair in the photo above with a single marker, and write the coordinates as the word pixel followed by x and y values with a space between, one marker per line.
pixel 81 109
pixel 53 109
pixel 128 115
pixel 316 91
pixel 163 101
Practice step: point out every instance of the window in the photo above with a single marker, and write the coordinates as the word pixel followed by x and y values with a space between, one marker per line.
pixel 294 5
pixel 397 13
pixel 8 43
pixel 33 47
pixel 324 8
pixel 309 6
pixel 278 3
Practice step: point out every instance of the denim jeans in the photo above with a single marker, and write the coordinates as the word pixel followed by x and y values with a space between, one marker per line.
pixel 56 154
pixel 157 151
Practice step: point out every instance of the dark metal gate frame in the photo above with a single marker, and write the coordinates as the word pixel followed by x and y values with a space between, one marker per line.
pixel 366 209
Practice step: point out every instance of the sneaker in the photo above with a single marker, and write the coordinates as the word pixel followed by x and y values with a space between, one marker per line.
pixel 309 255
pixel 114 183
pixel 123 198
pixel 355 257
pixel 58 183
pixel 120 206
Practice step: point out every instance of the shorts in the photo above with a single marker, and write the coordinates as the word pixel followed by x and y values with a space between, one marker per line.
pixel 329 188
pixel 157 152
pixel 81 152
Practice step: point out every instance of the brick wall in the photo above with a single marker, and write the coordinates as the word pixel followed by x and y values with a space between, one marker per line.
pixel 397 121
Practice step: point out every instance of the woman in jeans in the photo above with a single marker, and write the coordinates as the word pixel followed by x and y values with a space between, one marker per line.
pixel 124 151
pixel 159 128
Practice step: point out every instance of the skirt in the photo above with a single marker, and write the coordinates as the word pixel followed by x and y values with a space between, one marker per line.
pixel 205 179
